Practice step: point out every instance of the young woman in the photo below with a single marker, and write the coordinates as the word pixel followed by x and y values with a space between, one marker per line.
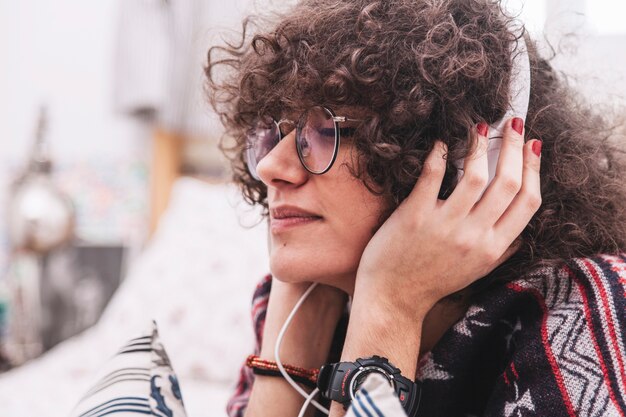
pixel 502 297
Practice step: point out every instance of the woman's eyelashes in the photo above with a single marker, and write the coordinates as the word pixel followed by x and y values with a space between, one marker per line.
pixel 343 131
pixel 347 131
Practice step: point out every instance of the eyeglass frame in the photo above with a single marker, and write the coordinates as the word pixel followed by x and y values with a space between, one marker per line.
pixel 336 120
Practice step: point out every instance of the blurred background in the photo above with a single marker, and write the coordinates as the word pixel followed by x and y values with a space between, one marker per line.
pixel 115 205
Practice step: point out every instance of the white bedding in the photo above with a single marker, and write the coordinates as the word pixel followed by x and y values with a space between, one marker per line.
pixel 195 278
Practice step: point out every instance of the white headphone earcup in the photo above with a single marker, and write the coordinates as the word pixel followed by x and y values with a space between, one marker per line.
pixel 518 106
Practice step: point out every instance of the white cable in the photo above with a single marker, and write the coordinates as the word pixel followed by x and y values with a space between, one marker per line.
pixel 307 402
pixel 279 341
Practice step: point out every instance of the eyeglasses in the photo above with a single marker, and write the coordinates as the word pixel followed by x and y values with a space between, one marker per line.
pixel 317 139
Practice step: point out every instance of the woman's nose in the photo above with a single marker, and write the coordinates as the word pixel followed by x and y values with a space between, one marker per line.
pixel 281 166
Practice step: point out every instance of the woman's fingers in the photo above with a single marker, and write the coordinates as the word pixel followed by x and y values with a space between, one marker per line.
pixel 475 175
pixel 511 199
pixel 508 178
pixel 426 190
pixel 527 201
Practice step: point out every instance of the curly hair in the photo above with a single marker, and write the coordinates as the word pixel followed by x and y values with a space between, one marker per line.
pixel 425 70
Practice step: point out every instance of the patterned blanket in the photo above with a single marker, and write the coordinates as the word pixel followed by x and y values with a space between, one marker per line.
pixel 549 344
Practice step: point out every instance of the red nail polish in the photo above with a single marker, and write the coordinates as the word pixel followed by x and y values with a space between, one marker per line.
pixel 536 146
pixel 482 128
pixel 518 125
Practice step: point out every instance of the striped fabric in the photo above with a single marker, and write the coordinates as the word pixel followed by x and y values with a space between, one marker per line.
pixel 375 398
pixel 138 380
pixel 550 343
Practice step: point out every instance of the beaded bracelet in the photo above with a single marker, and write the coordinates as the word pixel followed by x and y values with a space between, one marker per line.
pixel 260 366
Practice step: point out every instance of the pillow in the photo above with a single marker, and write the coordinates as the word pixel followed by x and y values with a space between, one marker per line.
pixel 196 277
pixel 139 379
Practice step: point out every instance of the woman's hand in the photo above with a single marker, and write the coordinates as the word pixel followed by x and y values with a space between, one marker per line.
pixel 306 343
pixel 429 248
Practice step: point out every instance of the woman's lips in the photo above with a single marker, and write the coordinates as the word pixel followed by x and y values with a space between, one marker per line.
pixel 284 217
pixel 285 223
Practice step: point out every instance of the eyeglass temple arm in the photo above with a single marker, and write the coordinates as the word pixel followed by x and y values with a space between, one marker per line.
pixel 346 119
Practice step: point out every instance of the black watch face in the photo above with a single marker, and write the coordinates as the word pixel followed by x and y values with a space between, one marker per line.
pixel 362 374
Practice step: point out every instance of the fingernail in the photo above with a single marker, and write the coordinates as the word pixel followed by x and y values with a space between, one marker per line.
pixel 518 125
pixel 482 128
pixel 536 146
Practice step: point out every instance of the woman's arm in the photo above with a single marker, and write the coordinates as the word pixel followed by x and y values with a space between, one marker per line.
pixel 306 344
pixel 445 245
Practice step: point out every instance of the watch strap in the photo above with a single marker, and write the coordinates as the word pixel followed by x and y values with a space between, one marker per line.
pixel 334 382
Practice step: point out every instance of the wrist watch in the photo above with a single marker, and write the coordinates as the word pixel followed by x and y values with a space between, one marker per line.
pixel 340 381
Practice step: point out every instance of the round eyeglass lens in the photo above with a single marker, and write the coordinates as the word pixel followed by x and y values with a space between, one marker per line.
pixel 316 139
pixel 261 138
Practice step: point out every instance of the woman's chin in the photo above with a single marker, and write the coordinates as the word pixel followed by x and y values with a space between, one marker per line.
pixel 292 274
pixel 291 265
pixel 287 278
